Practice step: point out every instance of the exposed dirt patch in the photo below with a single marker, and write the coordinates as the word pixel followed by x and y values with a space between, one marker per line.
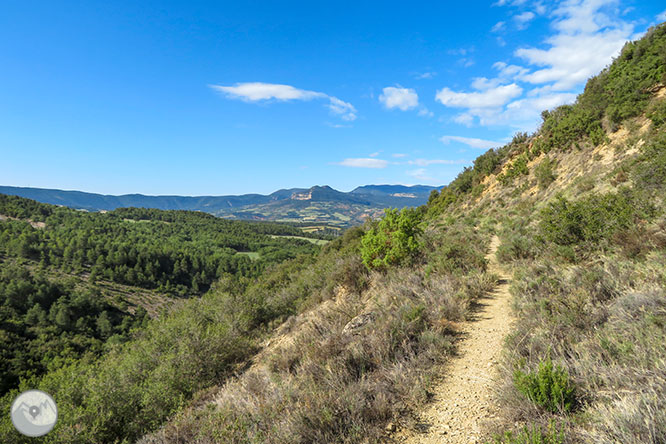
pixel 463 400
pixel 34 224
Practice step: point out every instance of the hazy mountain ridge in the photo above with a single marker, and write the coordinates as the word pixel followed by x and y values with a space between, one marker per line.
pixel 318 204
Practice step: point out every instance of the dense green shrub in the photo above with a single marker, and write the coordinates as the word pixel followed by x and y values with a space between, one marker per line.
pixel 392 240
pixel 591 219
pixel 549 387
pixel 487 162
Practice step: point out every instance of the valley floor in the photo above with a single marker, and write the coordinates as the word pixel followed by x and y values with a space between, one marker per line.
pixel 463 399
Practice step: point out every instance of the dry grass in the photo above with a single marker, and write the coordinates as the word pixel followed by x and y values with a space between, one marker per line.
pixel 362 361
pixel 605 321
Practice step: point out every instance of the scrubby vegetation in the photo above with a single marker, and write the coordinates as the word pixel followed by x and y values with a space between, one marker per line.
pixel 588 260
pixel 587 222
pixel 340 372
pixel 61 330
pixel 589 285
pixel 137 385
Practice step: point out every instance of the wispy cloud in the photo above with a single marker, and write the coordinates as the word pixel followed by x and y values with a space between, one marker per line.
pixel 421 174
pixel 425 112
pixel 471 141
pixel 258 91
pixel 497 27
pixel 425 75
pixel 363 162
pixel 398 155
pixel 398 97
pixel 523 19
pixel 490 98
pixel 509 2
pixel 662 17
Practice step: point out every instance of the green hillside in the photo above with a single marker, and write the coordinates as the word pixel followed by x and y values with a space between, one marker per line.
pixel 73 285
pixel 341 345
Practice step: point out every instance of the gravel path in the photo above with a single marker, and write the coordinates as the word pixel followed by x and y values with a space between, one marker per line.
pixel 463 399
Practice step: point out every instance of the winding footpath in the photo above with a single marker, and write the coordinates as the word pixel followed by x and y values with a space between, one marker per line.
pixel 463 399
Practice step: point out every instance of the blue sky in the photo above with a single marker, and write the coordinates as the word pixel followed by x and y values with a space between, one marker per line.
pixel 212 98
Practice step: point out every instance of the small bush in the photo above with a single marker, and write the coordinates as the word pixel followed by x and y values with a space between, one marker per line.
pixel 457 249
pixel 533 435
pixel 516 247
pixel 392 240
pixel 544 172
pixel 549 387
pixel 519 167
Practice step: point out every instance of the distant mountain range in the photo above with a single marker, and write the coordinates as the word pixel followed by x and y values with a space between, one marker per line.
pixel 316 205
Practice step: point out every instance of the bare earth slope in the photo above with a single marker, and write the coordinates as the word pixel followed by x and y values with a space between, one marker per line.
pixel 463 398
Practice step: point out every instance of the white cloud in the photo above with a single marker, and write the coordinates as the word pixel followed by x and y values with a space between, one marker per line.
pixel 586 41
pixel 526 113
pixel 364 163
pixel 472 142
pixel 662 17
pixel 375 154
pixel 497 27
pixel 399 97
pixel 509 71
pixel 344 109
pixel 398 155
pixel 421 174
pixel 466 119
pixel 523 19
pixel 482 83
pixel 572 59
pixel 490 98
pixel 425 112
pixel 337 125
pixel 258 91
pixel 505 2
pixel 426 75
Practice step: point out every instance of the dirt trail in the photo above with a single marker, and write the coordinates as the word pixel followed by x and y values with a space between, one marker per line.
pixel 462 400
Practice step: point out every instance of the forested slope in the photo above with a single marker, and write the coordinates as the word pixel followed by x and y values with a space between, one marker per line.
pixel 73 285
